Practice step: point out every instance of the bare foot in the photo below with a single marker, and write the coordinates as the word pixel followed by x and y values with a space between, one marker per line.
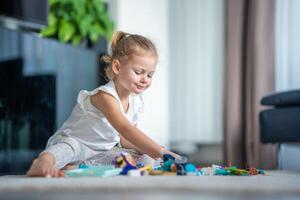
pixel 44 166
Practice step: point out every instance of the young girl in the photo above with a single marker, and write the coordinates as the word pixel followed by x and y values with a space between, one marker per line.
pixel 106 118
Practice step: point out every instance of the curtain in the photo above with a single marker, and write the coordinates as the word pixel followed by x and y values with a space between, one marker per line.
pixel 249 75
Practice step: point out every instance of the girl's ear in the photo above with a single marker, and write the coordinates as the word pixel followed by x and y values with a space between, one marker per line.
pixel 115 66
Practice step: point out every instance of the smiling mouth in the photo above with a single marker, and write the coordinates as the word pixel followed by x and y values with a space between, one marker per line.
pixel 140 87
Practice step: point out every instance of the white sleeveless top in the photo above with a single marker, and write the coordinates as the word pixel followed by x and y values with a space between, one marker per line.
pixel 89 126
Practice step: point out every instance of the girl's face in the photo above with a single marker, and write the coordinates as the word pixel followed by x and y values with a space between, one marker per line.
pixel 135 75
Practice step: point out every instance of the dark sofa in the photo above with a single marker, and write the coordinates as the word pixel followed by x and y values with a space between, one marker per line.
pixel 281 123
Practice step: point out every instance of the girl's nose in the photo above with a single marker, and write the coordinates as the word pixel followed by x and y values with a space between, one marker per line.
pixel 144 79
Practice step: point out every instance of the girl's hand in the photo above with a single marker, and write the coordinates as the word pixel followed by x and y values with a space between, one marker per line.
pixel 165 151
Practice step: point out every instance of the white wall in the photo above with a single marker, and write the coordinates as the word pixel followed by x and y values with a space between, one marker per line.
pixel 197 63
pixel 288 67
pixel 150 18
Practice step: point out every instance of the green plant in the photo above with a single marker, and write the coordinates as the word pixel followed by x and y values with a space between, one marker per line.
pixel 75 20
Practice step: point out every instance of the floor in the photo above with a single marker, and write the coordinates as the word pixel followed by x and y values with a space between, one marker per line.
pixel 278 185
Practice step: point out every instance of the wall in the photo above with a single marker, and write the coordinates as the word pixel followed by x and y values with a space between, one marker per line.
pixel 196 79
pixel 287 67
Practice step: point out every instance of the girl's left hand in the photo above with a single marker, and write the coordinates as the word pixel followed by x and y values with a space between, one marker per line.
pixel 176 156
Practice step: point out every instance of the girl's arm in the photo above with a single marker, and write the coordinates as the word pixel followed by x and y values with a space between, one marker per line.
pixel 128 145
pixel 110 107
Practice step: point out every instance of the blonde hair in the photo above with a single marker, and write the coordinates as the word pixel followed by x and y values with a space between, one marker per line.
pixel 123 45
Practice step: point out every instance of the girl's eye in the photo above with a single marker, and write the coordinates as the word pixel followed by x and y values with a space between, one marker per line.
pixel 138 72
pixel 150 75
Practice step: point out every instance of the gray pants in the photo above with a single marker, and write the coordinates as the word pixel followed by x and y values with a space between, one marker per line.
pixel 70 151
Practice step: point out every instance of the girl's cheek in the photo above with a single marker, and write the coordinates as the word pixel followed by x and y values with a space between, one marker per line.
pixel 130 75
pixel 135 76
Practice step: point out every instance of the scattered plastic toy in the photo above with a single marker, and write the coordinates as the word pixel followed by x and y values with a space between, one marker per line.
pixel 124 164
pixel 124 161
pixel 182 167
pixel 102 171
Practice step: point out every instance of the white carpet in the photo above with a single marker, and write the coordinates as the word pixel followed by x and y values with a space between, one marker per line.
pixel 279 185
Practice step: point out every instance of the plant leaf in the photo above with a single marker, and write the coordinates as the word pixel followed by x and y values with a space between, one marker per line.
pixel 76 39
pixel 51 2
pixel 52 20
pixel 66 31
pixel 79 7
pixel 107 24
pixel 85 24
pixel 99 6
pixel 109 30
pixel 49 31
pixel 73 20
pixel 95 32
